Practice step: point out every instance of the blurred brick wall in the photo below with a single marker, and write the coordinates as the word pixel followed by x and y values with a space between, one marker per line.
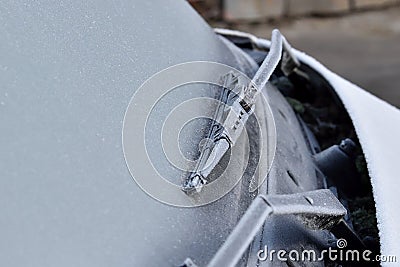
pixel 253 10
pixel 209 9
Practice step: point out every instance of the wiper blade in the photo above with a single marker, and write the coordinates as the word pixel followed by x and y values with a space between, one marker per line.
pixel 215 140
pixel 221 138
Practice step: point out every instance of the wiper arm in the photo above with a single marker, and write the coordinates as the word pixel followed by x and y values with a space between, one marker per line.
pixel 226 136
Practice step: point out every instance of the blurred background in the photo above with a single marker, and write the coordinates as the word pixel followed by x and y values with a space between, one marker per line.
pixel 357 39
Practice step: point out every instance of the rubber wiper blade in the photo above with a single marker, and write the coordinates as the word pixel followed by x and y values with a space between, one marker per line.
pixel 222 138
pixel 215 140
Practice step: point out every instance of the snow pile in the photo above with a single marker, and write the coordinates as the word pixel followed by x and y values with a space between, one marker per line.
pixel 377 124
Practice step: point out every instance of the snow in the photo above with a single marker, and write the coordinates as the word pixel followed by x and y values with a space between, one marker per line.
pixel 377 124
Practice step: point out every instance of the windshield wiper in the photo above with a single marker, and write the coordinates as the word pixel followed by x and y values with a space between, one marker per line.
pixel 223 137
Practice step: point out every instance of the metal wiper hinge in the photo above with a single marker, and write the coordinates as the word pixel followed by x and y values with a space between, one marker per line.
pixel 222 137
pixel 318 209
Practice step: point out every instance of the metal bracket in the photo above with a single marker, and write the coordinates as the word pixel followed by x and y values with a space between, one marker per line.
pixel 318 209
